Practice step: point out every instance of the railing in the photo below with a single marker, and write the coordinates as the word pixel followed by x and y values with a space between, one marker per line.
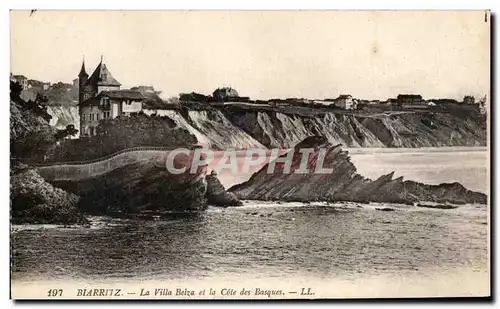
pixel 134 149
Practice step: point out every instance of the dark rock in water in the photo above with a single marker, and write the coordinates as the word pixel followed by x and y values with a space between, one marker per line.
pixel 142 186
pixel 343 183
pixel 438 206
pixel 217 194
pixel 385 209
pixel 33 200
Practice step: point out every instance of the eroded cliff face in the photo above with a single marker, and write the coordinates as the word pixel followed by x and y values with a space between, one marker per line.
pixel 410 129
pixel 231 127
pixel 211 129
pixel 63 116
pixel 343 183
pixel 220 132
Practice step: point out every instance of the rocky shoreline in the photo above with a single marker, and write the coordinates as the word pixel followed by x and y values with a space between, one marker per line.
pixel 344 183
pixel 144 187
pixel 35 201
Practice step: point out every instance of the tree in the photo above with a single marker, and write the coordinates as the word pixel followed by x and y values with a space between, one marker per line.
pixel 15 89
pixel 69 131
pixel 30 133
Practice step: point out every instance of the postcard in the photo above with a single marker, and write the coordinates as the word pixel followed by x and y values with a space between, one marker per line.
pixel 249 154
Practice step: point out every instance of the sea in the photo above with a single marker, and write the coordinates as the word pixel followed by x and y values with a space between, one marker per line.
pixel 335 249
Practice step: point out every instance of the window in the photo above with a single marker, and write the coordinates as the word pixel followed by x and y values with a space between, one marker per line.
pixel 97 116
pixel 91 117
pixel 105 101
pixel 106 115
pixel 83 117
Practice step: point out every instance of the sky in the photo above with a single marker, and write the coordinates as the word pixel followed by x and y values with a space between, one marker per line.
pixel 263 54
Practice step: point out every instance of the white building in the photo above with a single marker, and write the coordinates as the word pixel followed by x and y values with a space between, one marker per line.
pixel 345 101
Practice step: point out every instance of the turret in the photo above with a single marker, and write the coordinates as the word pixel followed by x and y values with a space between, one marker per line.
pixel 82 79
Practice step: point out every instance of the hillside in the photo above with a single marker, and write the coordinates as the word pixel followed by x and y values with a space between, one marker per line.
pixel 249 126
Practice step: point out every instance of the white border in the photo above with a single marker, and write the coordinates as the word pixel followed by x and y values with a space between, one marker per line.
pixel 186 4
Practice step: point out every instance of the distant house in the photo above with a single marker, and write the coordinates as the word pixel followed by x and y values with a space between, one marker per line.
pixel 32 83
pixel 292 101
pixel 409 99
pixel 468 99
pixel 345 101
pixel 75 87
pixel 21 79
pixel 37 85
pixel 224 94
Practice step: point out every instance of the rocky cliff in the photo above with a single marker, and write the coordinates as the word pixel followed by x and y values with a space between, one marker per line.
pixel 250 127
pixel 276 129
pixel 211 128
pixel 343 183
pixel 63 116
pixel 30 134
pixel 33 200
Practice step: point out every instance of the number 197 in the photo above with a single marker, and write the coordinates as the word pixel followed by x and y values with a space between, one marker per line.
pixel 54 292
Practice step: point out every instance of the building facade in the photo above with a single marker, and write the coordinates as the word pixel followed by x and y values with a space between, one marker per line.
pixel 100 97
pixel 21 79
pixel 345 101
pixel 224 94
pixel 410 99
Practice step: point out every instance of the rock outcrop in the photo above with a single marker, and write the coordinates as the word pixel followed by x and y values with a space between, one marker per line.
pixel 33 200
pixel 142 186
pixel 30 134
pixel 343 183
pixel 217 194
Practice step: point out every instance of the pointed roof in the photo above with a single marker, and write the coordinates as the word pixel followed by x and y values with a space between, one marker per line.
pixel 82 70
pixel 102 77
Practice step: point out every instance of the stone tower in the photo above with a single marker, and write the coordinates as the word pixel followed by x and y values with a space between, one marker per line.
pixel 82 79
